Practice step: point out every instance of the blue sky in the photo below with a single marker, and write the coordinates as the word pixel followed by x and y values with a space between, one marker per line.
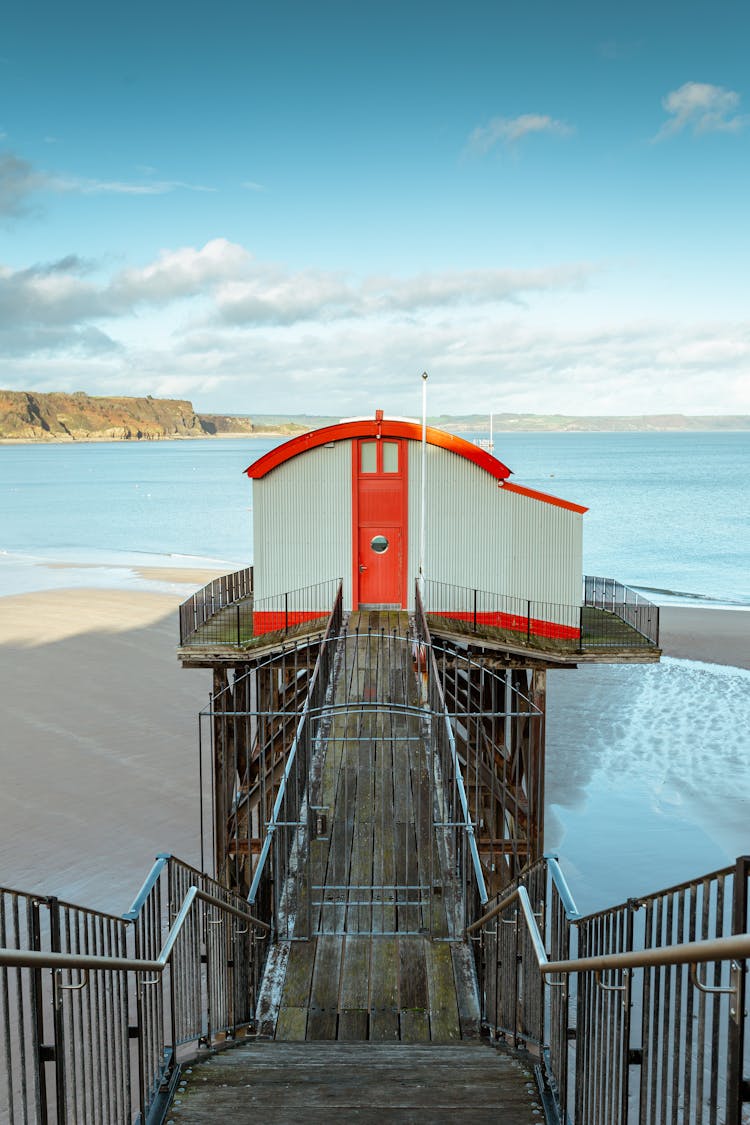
pixel 300 207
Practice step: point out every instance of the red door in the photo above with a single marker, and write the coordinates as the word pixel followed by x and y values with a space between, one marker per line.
pixel 380 522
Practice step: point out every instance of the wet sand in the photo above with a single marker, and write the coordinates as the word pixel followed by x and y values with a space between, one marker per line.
pixel 717 636
pixel 98 735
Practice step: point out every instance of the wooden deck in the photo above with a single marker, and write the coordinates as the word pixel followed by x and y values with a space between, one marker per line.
pixel 372 867
pixel 366 967
pixel 318 1083
pixel 228 638
pixel 607 640
pixel 379 989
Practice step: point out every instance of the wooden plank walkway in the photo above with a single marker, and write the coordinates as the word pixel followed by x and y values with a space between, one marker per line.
pixel 371 871
pixel 376 988
pixel 317 1083
pixel 367 969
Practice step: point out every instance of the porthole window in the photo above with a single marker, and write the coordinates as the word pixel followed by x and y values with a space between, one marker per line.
pixel 379 544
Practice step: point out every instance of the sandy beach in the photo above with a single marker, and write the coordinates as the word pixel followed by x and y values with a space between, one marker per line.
pixel 717 636
pixel 99 733
pixel 99 742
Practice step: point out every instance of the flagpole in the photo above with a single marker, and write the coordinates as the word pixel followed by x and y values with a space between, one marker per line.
pixel 424 485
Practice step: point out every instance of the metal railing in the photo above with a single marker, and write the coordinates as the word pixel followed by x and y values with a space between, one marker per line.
pixel 207 602
pixel 271 874
pixel 240 623
pixel 629 1031
pixel 610 596
pixel 385 712
pixel 612 616
pixel 459 834
pixel 95 1008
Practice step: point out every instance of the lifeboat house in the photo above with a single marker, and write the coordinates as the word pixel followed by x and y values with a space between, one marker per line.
pixel 345 501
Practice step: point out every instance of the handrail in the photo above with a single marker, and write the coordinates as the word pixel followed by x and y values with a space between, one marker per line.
pixel 468 823
pixel 40 959
pixel 572 912
pixel 683 953
pixel 265 850
pixel 161 861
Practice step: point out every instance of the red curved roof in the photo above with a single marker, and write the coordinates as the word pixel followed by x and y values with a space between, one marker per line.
pixel 377 427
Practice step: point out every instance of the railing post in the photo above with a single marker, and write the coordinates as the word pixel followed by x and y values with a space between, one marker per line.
pixel 238 625
pixel 580 629
pixel 58 1021
pixel 736 1033
pixel 286 612
pixel 475 611
pixel 38 1016
pixel 528 622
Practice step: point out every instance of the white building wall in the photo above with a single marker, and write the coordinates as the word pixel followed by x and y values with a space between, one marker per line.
pixel 480 536
pixel 302 522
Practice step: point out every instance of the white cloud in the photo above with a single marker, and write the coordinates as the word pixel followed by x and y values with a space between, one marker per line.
pixel 251 185
pixel 57 293
pixel 214 324
pixel 187 272
pixel 20 181
pixel 509 130
pixel 273 296
pixel 702 108
pixel 84 186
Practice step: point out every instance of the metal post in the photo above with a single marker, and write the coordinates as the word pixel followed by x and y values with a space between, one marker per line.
pixel 286 613
pixel 58 1022
pixel 238 625
pixel 475 611
pixel 580 629
pixel 424 486
pixel 736 1092
pixel 38 1016
pixel 528 622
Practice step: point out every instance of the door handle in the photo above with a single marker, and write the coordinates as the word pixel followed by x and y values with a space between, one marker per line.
pixel 362 568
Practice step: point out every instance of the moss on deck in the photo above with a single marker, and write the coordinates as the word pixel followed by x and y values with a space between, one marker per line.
pixel 601 631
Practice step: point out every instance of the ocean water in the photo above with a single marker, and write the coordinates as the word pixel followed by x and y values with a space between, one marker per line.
pixel 667 512
pixel 648 776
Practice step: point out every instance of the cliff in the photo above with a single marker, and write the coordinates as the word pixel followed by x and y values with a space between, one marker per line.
pixel 79 417
pixel 27 416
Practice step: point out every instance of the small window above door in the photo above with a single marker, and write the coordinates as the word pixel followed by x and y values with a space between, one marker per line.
pixel 390 456
pixel 368 454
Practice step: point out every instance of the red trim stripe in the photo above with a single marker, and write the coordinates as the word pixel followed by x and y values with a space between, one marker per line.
pixel 275 620
pixel 376 428
pixel 513 622
pixel 508 486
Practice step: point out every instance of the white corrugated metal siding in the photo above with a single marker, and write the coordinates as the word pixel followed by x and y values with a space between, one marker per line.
pixel 479 536
pixel 302 522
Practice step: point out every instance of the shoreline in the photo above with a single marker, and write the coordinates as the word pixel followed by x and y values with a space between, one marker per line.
pixel 234 435
pixel 94 440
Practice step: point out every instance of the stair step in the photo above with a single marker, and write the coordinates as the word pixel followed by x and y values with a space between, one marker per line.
pixel 320 1082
